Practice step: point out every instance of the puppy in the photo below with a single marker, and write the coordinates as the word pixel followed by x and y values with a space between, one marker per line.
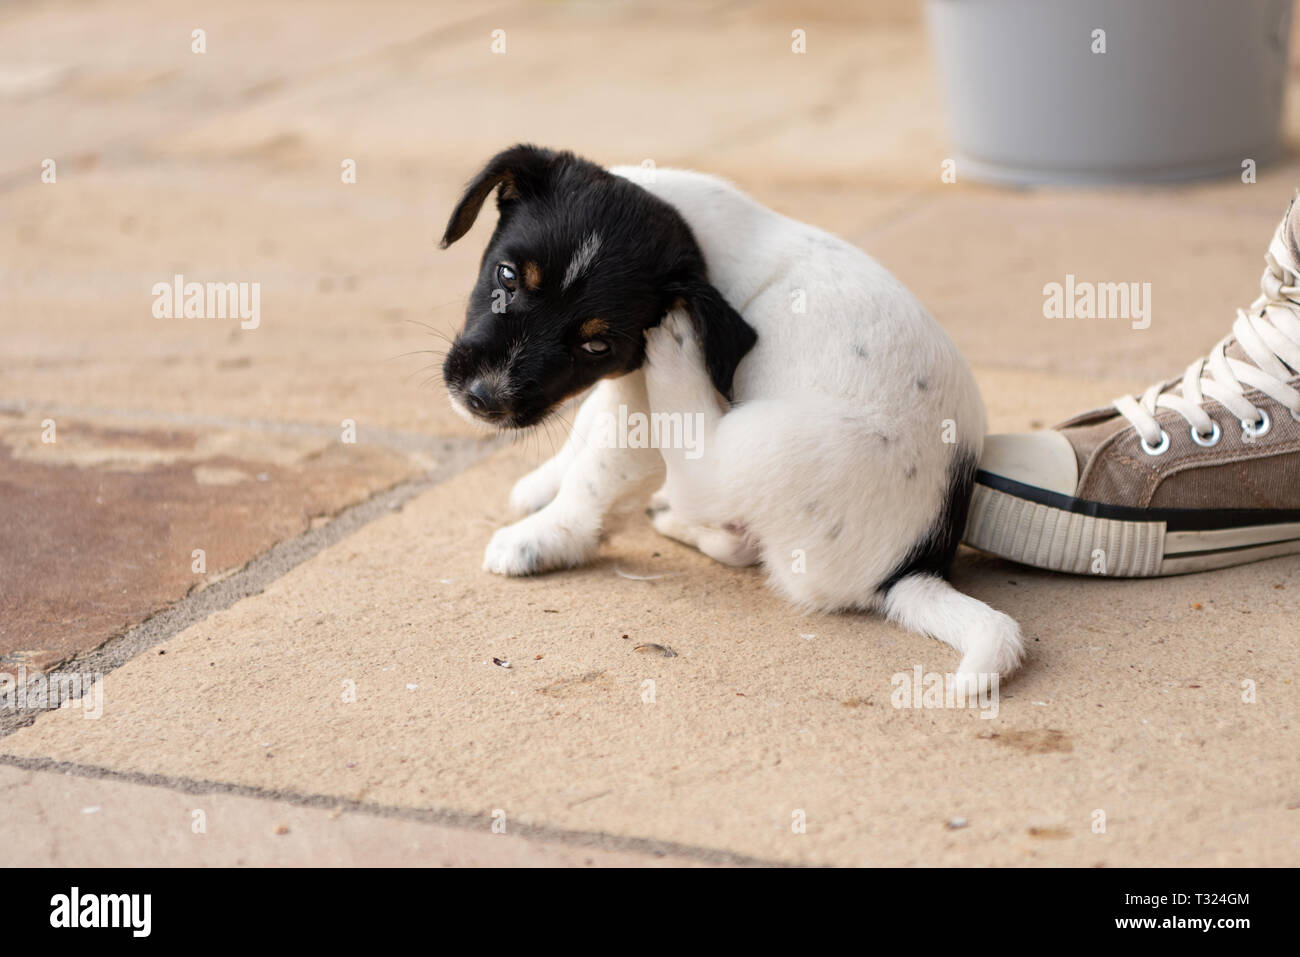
pixel 838 426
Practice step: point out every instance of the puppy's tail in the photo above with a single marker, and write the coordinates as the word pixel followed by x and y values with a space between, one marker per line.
pixel 988 640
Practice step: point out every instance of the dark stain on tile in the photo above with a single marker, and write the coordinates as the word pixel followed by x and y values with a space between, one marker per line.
pixel 1034 740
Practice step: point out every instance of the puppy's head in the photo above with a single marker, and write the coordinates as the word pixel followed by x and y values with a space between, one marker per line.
pixel 581 263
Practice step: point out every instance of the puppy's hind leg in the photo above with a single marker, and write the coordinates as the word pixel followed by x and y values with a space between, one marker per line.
pixel 689 508
pixel 725 545
pixel 686 408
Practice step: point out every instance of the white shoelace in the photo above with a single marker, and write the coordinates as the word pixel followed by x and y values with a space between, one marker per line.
pixel 1269 334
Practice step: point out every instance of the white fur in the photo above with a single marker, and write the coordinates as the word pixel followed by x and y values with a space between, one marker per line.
pixel 832 463
pixel 582 260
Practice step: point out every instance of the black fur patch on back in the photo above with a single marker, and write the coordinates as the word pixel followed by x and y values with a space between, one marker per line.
pixel 933 553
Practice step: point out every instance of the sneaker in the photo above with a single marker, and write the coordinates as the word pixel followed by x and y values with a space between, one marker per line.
pixel 1199 472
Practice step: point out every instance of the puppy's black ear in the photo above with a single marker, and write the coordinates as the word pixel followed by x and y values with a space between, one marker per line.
pixel 517 172
pixel 725 336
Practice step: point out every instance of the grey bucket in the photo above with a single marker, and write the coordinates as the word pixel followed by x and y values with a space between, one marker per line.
pixel 1184 89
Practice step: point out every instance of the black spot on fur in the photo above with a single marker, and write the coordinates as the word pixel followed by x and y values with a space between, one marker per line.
pixel 922 384
pixel 909 472
pixel 860 352
pixel 531 559
pixel 933 554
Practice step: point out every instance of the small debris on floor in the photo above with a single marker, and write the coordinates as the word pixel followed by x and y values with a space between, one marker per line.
pixel 1197 605
pixel 956 823
pixel 537 657
pixel 411 687
pixel 282 829
pixel 651 648
pixel 501 662
pixel 642 578
pixel 93 809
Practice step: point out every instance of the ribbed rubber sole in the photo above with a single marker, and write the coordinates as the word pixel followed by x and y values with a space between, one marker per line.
pixel 1059 540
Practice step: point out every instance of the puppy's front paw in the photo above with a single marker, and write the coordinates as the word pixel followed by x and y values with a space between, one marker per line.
pixel 535 545
pixel 533 492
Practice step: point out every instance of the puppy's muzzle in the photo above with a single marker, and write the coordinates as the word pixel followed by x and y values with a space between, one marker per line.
pixel 486 401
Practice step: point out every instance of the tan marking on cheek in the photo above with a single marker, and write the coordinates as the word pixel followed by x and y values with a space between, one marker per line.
pixel 593 327
pixel 532 275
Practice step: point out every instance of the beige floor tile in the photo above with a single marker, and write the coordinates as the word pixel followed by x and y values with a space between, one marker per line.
pixel 980 261
pixel 1131 703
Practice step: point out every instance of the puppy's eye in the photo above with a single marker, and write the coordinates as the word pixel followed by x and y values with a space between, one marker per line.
pixel 506 277
pixel 596 347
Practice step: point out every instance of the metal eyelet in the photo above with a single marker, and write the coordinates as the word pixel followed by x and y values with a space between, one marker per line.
pixel 1160 449
pixel 1206 441
pixel 1250 431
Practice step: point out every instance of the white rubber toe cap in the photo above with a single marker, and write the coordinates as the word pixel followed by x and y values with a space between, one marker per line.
pixel 1044 460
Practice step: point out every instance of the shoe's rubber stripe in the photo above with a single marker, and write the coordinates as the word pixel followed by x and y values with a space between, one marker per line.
pixel 1175 519
pixel 1060 540
pixel 1227 549
pixel 1045 537
pixel 1204 561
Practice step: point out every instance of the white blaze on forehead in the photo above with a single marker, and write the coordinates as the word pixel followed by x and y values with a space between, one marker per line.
pixel 582 260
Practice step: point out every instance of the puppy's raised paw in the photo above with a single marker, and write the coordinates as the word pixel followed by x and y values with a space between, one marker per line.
pixel 673 342
pixel 532 546
pixel 675 375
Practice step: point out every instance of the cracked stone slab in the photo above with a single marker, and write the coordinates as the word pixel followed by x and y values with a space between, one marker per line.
pixel 367 673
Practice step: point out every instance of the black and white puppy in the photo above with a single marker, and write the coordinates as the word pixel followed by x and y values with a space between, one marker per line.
pixel 838 426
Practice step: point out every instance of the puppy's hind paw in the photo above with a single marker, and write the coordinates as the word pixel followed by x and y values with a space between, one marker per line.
pixel 675 375
pixel 673 343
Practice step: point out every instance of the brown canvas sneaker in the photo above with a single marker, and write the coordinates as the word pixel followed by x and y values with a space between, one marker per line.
pixel 1199 472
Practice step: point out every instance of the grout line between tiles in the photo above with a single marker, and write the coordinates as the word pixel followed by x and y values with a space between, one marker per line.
pixel 456 455
pixel 596 840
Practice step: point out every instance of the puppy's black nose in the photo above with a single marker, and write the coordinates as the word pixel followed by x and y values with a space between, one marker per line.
pixel 483 400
